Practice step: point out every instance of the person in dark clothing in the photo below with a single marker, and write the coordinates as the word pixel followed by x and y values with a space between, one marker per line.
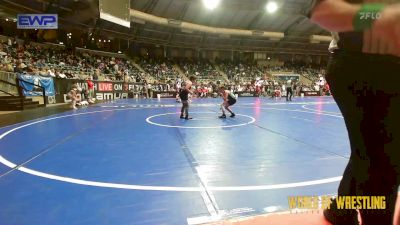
pixel 96 75
pixel 18 69
pixel 184 95
pixel 363 76
pixel 229 100
pixel 289 90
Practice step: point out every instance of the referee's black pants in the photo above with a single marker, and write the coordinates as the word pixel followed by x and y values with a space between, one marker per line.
pixel 367 91
pixel 289 91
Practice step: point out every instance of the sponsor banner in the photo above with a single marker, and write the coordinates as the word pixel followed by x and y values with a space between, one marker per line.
pixel 342 202
pixel 99 96
pixel 311 93
pixel 37 21
pixel 103 90
pixel 28 89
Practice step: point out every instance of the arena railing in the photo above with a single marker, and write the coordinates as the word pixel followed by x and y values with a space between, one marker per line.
pixel 8 83
pixel 6 86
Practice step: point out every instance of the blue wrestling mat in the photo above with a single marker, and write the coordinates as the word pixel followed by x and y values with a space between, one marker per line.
pixel 136 162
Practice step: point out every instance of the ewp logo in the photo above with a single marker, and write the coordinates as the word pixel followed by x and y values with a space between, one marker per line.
pixel 37 21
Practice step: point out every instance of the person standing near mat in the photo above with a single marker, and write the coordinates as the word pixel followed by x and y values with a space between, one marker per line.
pixel 73 96
pixel 363 74
pixel 289 90
pixel 90 85
pixel 229 100
pixel 184 95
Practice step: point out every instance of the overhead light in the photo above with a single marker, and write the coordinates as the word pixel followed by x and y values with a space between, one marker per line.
pixel 271 7
pixel 109 40
pixel 119 52
pixel 92 39
pixel 269 58
pixel 211 4
pixel 61 43
pixel 99 40
pixel 6 19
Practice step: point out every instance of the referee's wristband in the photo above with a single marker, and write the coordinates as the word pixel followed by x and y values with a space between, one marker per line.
pixel 367 15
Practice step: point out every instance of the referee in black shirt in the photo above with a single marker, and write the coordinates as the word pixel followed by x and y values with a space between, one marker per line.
pixel 289 90
pixel 364 74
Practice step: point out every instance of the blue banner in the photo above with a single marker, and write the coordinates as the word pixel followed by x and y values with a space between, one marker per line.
pixel 37 21
pixel 28 89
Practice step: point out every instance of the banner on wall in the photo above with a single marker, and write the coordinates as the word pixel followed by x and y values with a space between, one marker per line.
pixel 104 90
pixel 32 85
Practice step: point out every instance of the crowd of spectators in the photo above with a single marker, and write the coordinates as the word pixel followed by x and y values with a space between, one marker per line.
pixel 160 69
pixel 310 70
pixel 277 88
pixel 269 87
pixel 240 71
pixel 202 69
pixel 61 62
pixel 57 61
